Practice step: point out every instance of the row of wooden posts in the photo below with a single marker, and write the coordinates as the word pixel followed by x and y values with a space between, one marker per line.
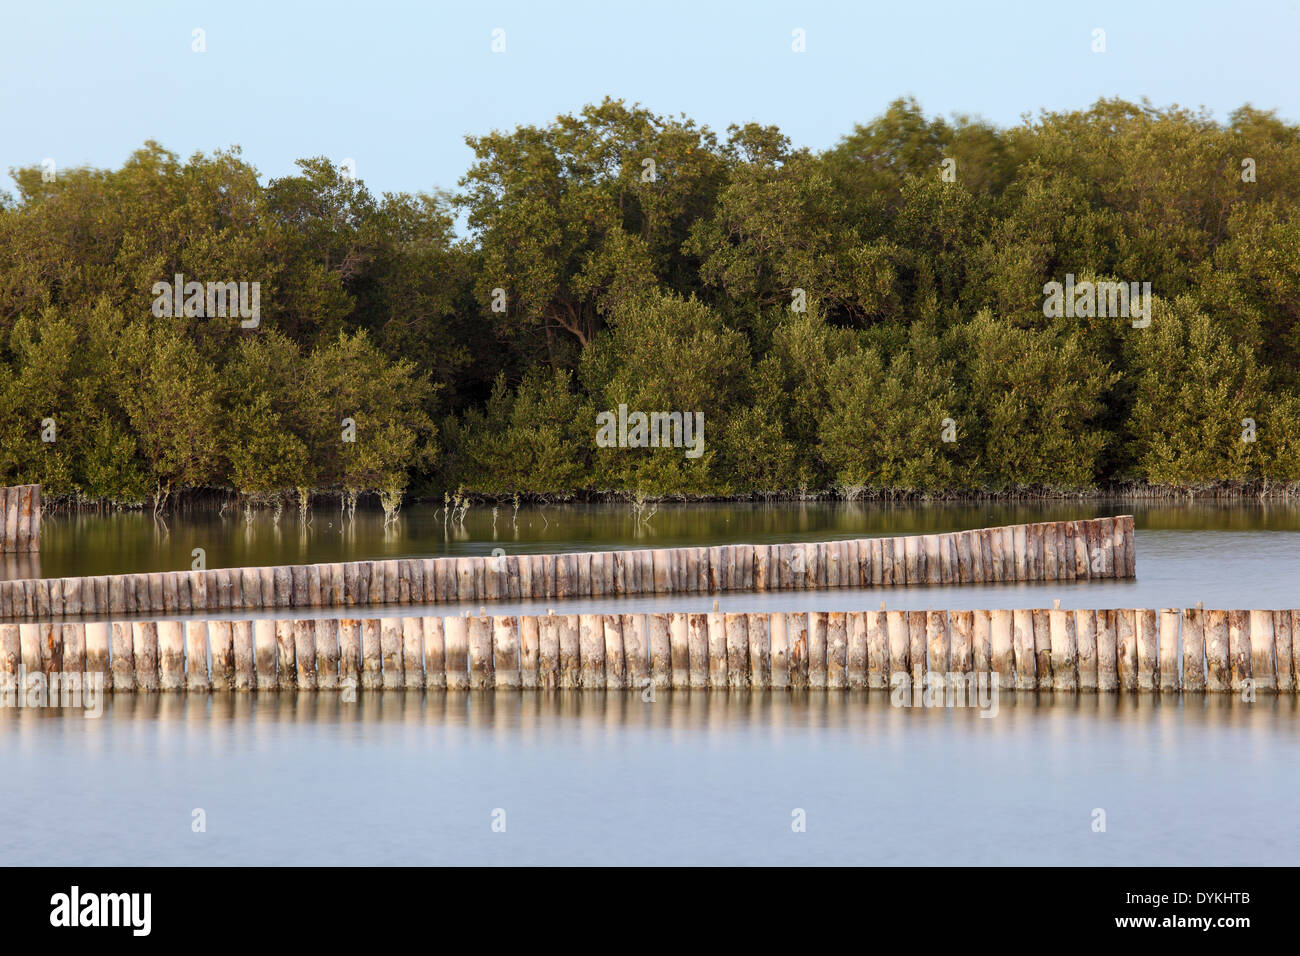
pixel 20 518
pixel 1051 551
pixel 1124 649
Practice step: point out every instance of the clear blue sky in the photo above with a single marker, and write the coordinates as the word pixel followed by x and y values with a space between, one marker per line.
pixel 396 86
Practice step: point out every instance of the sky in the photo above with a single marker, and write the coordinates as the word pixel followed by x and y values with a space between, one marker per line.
pixel 395 87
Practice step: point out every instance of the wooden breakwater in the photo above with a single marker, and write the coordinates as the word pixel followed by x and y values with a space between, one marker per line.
pixel 20 518
pixel 1053 551
pixel 1124 650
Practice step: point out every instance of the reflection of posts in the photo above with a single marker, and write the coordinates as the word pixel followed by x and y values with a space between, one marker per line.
pixel 20 519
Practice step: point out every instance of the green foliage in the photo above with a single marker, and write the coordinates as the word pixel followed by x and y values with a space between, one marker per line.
pixel 835 317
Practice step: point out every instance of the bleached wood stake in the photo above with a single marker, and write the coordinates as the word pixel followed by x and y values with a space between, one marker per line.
pixel 144 645
pixel 591 639
pixel 877 649
pixel 857 649
pixel 1003 648
pixel 661 658
pixel 529 651
pixel 1194 649
pixel 760 661
pixel 481 675
pixel 171 656
pixel 548 652
pixel 455 635
pixel 938 643
pixel 1262 667
pixel 1085 629
pixel 697 650
pixel 1282 649
pixel 570 652
pixel 1064 650
pixel 837 649
pixel 796 631
pixel 435 660
pixel 1148 660
pixel 97 657
pixel 1023 642
pixel 717 650
pixel 265 653
pixel 327 653
pixel 780 651
pixel 737 651
pixel 304 652
pixel 243 654
pixel 1239 648
pixel 961 625
pixel 505 652
pixel 412 650
pixel 1107 652
pixel 679 639
pixel 1169 621
pixel 899 646
pixel 372 654
pixel 635 655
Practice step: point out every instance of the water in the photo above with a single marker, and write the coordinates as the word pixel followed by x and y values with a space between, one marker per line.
pixel 410 778
pixel 405 778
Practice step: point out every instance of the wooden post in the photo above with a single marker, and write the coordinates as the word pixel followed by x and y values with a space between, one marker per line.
pixel 241 655
pixel 982 642
pixel 882 562
pixel 265 653
pixel 96 650
pixel 1049 569
pixel 1107 652
pixel 1169 620
pixel 857 649
pixel 913 555
pixel 548 652
pixel 661 657
pixel 1023 640
pixel 615 656
pixel 529 651
pixel 1043 646
pixel 796 635
pixel 679 639
pixel 737 626
pixel 877 650
pixel 1262 668
pixel 505 652
pixel 1239 648
pixel 961 642
pixel 74 649
pixel 304 653
pixel 1194 649
pixel 780 652
pixel 29 642
pixel 1282 632
pixel 327 653
pixel 1148 660
pixel 635 654
pixel 171 656
pixel 286 664
pixel 372 654
pixel 481 675
pixel 412 649
pixel 1085 629
pixel 932 549
pixel 221 642
pixel 144 646
pixel 570 652
pixel 697 650
pixel 1063 642
pixel 817 650
pixel 938 644
pixel 1003 654
pixel 1126 648
pixel 900 646
pixel 24 517
pixel 591 638
pixel 760 661
pixel 455 635
pixel 837 646
pixel 717 643
pixel 435 659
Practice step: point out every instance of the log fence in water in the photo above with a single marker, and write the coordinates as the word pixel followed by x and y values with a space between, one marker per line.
pixel 1126 650
pixel 1095 549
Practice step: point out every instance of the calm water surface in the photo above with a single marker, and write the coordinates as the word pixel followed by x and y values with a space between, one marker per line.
pixel 690 777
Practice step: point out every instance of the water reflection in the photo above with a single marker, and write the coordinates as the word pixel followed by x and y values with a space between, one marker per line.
pixel 121 542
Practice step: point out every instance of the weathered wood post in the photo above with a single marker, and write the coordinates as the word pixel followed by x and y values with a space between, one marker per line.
pixel 412 650
pixel 779 651
pixel 737 626
pixel 1148 660
pixel 1085 629
pixel 1023 640
pixel 1063 639
pixel 1126 650
pixel 265 654
pixel 679 640
pixel 529 651
pixel 97 658
pixel 1003 661
pixel 435 660
pixel 877 649
pixel 1282 632
pixel 327 653
pixel 817 650
pixel 570 652
pixel 455 635
pixel 171 656
pixel 938 644
pixel 857 649
pixel 837 647
pixel 698 642
pixel 1107 652
pixel 1262 668
pixel 123 657
pixel 144 645
pixel 372 654
pixel 1194 649
pixel 717 643
pixel 661 658
pixel 481 676
pixel 796 635
pixel 505 652
pixel 635 655
pixel 1239 648
pixel 548 653
pixel 304 653
pixel 591 640
pixel 900 646
pixel 243 654
pixel 1169 621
